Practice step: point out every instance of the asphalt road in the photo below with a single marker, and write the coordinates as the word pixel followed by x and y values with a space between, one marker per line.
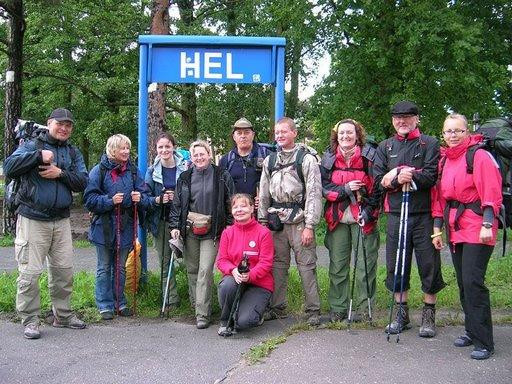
pixel 164 351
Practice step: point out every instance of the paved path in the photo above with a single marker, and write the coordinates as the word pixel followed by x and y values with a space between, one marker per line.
pixel 164 351
pixel 85 258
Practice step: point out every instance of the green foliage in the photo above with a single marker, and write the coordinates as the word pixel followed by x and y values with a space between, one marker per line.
pixel 435 53
pixel 6 241
pixel 148 298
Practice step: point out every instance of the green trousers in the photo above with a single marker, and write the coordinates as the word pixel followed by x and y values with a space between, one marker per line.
pixel 341 243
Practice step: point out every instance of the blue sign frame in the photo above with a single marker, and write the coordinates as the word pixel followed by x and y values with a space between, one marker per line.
pixel 205 59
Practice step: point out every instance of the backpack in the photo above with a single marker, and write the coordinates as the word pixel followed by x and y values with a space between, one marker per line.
pixel 263 149
pixel 26 131
pixel 297 165
pixel 497 134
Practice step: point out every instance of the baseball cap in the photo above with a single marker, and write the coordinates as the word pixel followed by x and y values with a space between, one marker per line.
pixel 242 123
pixel 62 114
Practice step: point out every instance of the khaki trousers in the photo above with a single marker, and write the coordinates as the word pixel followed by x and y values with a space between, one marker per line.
pixel 37 241
pixel 199 256
pixel 305 257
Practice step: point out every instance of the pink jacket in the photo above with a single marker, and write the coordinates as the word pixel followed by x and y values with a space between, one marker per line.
pixel 456 184
pixel 253 237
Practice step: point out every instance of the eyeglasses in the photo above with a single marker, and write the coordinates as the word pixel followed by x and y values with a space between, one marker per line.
pixel 450 132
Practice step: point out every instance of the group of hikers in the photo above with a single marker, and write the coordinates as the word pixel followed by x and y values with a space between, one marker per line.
pixel 249 212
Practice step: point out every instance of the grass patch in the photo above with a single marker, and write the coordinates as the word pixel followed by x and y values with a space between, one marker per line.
pixel 148 299
pixel 6 241
pixel 81 243
pixel 263 349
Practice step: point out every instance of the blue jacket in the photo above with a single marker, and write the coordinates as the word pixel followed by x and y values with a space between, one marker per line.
pixel 40 198
pixel 98 200
pixel 246 172
pixel 154 187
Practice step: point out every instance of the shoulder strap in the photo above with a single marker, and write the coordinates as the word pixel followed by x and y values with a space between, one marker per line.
pixel 134 170
pixel 470 157
pixel 103 173
pixel 298 163
pixel 39 143
pixel 230 160
pixel 272 163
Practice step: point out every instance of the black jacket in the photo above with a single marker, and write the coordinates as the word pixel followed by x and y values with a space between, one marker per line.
pixel 422 153
pixel 40 198
pixel 221 216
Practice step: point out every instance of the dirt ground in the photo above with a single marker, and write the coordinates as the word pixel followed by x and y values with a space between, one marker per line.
pixel 79 223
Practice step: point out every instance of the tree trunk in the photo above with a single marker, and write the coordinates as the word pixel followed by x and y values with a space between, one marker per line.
pixel 13 89
pixel 188 95
pixel 156 113
pixel 189 116
pixel 293 97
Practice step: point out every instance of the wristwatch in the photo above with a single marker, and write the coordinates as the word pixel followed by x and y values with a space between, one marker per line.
pixel 487 225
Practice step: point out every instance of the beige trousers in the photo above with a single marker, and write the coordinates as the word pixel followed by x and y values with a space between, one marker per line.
pixel 36 242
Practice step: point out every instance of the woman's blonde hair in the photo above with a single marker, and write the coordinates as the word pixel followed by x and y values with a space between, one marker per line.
pixel 115 142
pixel 201 143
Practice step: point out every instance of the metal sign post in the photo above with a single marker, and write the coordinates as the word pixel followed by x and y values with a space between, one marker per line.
pixel 205 59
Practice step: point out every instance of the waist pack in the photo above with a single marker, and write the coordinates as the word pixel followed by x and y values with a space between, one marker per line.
pixel 200 224
pixel 274 222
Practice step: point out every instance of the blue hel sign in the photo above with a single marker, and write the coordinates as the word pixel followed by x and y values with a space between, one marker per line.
pixel 212 65
pixel 205 59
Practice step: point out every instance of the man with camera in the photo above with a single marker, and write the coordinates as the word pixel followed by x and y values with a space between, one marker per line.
pixel 291 205
pixel 50 169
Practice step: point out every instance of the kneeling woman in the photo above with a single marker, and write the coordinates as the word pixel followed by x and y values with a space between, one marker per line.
pixel 468 203
pixel 246 237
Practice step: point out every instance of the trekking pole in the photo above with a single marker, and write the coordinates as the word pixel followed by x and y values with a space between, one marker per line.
pixel 358 199
pixel 406 215
pixel 162 223
pixel 243 267
pixel 134 275
pixel 118 253
pixel 166 292
pixel 400 229
pixel 361 224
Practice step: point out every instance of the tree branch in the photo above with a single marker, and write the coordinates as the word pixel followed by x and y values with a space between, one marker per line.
pixel 82 87
pixel 175 108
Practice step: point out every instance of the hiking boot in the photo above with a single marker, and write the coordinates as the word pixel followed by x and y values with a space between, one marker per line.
pixel 32 331
pixel 202 323
pixel 463 341
pixel 313 319
pixel 73 322
pixel 275 313
pixel 125 312
pixel 401 322
pixel 337 316
pixel 481 353
pixel 262 320
pixel 107 315
pixel 428 322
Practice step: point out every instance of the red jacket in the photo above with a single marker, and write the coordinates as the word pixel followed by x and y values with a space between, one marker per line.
pixel 456 184
pixel 337 201
pixel 254 237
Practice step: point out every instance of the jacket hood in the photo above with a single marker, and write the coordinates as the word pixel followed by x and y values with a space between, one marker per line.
pixel 110 164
